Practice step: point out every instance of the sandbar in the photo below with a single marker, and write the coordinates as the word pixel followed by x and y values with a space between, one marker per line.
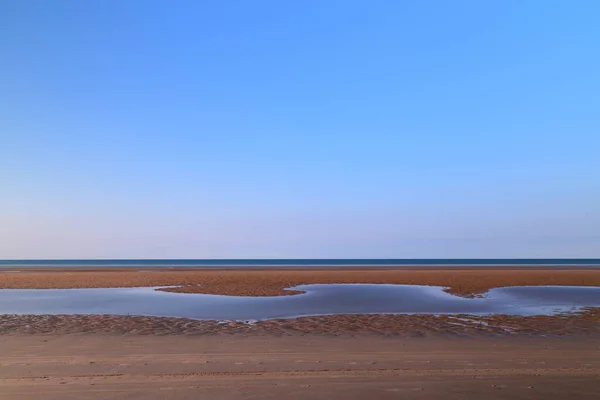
pixel 272 282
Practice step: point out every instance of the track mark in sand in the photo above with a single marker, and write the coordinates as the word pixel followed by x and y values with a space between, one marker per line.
pixel 174 357
pixel 489 373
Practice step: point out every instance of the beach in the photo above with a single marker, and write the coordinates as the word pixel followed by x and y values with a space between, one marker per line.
pixel 422 356
pixel 134 367
pixel 273 281
pixel 467 282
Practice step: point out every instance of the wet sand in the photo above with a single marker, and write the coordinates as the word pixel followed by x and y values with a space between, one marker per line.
pixel 272 282
pixel 585 324
pixel 136 367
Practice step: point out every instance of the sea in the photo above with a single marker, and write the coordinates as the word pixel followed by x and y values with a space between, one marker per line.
pixel 305 263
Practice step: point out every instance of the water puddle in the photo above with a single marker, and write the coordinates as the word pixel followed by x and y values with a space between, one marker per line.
pixel 322 299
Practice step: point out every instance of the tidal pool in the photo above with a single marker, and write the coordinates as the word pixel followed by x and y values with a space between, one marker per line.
pixel 320 299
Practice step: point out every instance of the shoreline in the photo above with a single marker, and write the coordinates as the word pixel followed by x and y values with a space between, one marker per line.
pixel 266 268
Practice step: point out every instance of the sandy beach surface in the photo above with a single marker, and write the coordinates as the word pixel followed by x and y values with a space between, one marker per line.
pixel 272 282
pixel 339 356
pixel 311 367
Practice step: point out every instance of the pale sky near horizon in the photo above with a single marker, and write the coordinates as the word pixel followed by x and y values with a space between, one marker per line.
pixel 337 129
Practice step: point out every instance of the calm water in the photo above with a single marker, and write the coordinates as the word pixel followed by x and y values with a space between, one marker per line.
pixel 222 263
pixel 318 300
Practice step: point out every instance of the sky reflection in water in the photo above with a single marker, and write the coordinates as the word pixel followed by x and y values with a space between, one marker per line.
pixel 320 299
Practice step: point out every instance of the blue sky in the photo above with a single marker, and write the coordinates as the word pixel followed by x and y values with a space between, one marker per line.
pixel 186 129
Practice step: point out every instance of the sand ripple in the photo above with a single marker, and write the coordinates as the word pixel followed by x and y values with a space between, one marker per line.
pixel 585 323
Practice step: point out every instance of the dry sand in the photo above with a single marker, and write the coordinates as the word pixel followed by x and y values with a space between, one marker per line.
pixel 87 367
pixel 271 282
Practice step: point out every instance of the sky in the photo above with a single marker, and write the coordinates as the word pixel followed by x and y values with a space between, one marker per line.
pixel 307 129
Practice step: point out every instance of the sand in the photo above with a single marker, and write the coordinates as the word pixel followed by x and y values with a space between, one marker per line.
pixel 586 324
pixel 96 366
pixel 328 357
pixel 272 282
pixel 262 282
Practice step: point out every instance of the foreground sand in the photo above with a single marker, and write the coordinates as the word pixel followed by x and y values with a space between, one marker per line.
pixel 272 282
pixel 97 366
